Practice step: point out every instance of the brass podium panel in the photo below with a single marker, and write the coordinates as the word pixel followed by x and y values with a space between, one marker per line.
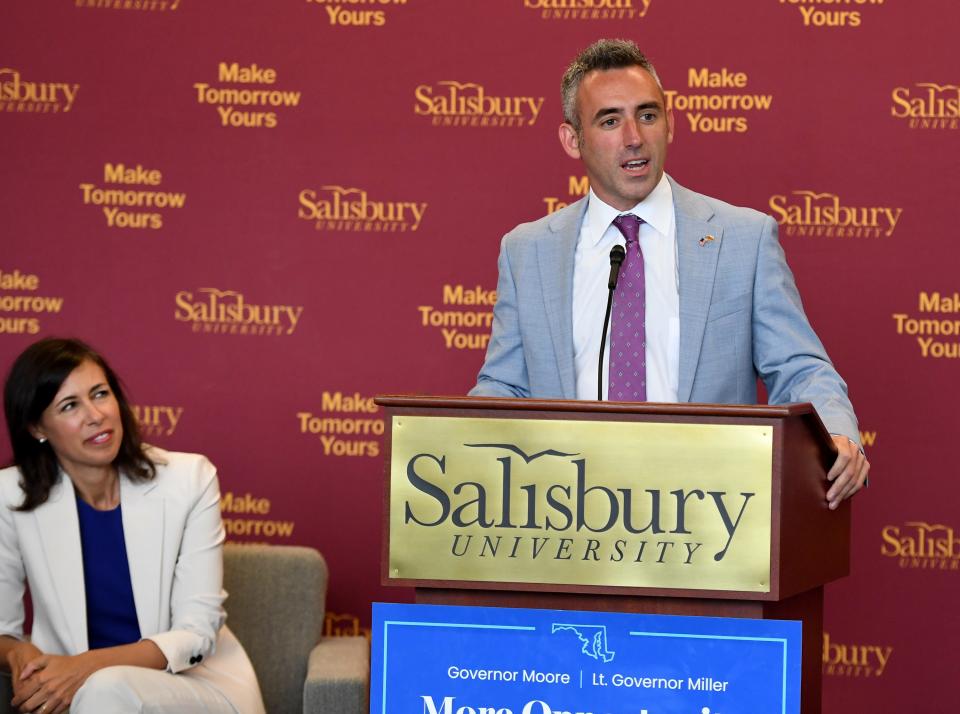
pixel 599 503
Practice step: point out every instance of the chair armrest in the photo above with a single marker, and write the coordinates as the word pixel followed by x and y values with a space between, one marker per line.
pixel 338 677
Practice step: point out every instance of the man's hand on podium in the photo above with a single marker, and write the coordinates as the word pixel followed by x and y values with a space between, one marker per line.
pixel 849 471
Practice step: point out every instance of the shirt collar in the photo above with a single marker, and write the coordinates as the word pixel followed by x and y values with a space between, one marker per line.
pixel 656 210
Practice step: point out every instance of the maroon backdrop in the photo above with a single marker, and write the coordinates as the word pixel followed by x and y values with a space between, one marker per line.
pixel 257 211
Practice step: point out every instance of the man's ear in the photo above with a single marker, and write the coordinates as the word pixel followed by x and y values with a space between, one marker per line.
pixel 570 140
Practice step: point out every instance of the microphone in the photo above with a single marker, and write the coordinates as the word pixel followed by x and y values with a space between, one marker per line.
pixel 617 254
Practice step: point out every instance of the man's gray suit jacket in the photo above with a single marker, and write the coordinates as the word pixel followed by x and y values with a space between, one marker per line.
pixel 740 314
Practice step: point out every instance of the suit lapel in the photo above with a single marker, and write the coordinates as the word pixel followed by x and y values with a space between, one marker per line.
pixel 555 257
pixel 59 530
pixel 698 269
pixel 143 520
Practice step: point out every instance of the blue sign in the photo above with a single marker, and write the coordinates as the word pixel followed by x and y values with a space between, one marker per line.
pixel 480 660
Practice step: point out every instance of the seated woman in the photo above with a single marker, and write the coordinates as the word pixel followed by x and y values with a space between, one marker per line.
pixel 121 545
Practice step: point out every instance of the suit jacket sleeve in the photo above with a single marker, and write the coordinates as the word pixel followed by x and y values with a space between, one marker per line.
pixel 504 371
pixel 197 596
pixel 12 575
pixel 787 353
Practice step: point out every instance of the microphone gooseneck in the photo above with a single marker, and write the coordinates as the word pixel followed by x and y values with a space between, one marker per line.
pixel 617 255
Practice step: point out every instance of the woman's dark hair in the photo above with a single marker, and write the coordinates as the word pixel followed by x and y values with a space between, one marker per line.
pixel 34 380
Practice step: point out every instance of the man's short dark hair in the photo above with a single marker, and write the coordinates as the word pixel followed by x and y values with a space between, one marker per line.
pixel 601 55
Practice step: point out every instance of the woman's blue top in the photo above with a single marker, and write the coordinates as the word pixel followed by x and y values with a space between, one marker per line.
pixel 111 612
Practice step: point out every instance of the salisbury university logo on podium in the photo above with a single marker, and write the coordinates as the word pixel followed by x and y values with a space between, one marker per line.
pixel 585 502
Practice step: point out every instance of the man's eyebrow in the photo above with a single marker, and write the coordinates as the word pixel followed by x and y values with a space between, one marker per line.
pixel 606 111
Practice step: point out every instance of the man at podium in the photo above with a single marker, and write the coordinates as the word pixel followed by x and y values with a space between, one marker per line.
pixel 703 302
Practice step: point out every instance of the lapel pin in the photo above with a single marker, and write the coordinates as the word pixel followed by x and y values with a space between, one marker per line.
pixel 706 239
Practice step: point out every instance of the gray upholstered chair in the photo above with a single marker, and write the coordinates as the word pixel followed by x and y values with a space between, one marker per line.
pixel 276 609
pixel 276 605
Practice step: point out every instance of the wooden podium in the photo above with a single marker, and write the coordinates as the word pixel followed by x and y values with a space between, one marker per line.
pixel 808 543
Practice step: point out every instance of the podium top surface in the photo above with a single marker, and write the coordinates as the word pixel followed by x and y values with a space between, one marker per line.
pixel 756 411
pixel 804 411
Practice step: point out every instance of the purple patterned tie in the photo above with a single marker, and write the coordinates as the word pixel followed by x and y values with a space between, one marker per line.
pixel 628 341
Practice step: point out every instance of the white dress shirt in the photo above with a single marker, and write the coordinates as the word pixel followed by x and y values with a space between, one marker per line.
pixel 658 242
